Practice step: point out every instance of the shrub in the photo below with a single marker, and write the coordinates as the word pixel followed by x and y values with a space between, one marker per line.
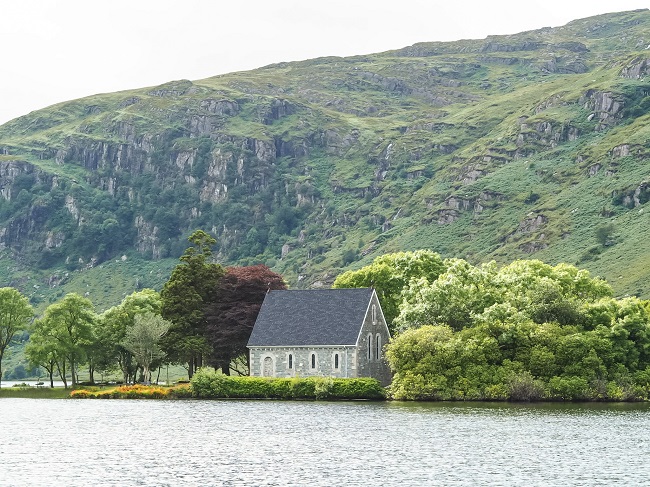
pixel 137 391
pixel 568 388
pixel 524 387
pixel 323 387
pixel 211 384
pixel 82 394
pixel 496 392
pixel 361 388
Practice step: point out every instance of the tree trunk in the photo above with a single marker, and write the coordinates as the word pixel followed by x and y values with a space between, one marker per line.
pixel 51 372
pixel 91 372
pixel 190 367
pixel 225 369
pixel 146 374
pixel 62 374
pixel 74 381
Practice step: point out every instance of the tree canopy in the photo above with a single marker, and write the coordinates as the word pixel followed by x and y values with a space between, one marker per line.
pixel 112 328
pixel 231 316
pixel 192 285
pixel 525 331
pixel 143 338
pixel 391 274
pixel 15 315
pixel 63 334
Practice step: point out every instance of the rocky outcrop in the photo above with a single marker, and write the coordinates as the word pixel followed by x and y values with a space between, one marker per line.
pixel 16 175
pixel 172 89
pixel 563 65
pixel 636 69
pixel 147 239
pixel 605 107
pixel 531 224
pixel 546 133
pixel 73 209
pixel 454 205
pixel 528 45
pixel 276 110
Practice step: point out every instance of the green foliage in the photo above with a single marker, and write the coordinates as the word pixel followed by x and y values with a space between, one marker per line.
pixel 390 275
pixel 525 332
pixel 209 384
pixel 142 340
pixel 15 315
pixel 465 295
pixel 62 337
pixel 185 296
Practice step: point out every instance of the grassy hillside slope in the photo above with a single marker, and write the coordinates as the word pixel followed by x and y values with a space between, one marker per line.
pixel 531 145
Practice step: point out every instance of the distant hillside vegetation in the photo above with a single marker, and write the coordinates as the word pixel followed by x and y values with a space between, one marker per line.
pixel 529 145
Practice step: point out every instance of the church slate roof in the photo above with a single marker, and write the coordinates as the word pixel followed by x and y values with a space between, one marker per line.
pixel 310 317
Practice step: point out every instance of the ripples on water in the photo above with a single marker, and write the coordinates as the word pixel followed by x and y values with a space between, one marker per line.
pixel 268 443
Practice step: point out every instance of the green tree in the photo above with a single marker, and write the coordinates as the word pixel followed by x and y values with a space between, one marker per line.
pixel 391 274
pixel 15 315
pixel 191 287
pixel 142 340
pixel 66 327
pixel 604 233
pixel 43 352
pixel 459 293
pixel 112 328
pixel 522 332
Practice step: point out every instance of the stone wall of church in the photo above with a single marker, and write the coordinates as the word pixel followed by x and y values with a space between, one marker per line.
pixel 372 340
pixel 303 361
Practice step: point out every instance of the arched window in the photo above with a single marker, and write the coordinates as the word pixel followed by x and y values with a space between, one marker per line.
pixel 374 314
pixel 336 361
pixel 313 360
pixel 369 347
pixel 290 361
pixel 378 347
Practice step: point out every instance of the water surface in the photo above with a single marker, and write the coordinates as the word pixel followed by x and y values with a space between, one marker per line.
pixel 173 443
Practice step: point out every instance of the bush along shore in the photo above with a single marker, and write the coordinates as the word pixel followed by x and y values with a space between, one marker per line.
pixel 206 384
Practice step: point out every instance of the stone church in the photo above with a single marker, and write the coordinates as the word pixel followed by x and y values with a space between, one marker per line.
pixel 320 332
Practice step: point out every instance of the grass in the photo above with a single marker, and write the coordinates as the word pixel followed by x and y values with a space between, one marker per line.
pixel 35 392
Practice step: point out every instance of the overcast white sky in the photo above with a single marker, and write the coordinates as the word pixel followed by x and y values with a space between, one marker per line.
pixel 58 50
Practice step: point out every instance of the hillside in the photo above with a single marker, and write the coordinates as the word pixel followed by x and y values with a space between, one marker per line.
pixel 531 145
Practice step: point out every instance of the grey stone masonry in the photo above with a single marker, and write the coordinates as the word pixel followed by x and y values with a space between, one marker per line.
pixel 304 361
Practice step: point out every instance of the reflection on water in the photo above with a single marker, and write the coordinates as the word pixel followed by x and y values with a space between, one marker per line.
pixel 172 443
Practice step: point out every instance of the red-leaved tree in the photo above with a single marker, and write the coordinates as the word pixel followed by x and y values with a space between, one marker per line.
pixel 230 318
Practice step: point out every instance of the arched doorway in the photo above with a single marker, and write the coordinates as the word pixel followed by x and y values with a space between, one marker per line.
pixel 267 367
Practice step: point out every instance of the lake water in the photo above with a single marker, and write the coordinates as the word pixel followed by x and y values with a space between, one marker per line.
pixel 201 443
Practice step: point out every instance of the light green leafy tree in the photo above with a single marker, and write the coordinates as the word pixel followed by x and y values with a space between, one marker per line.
pixel 453 299
pixel 391 274
pixel 112 328
pixel 44 352
pixel 15 315
pixel 523 332
pixel 67 327
pixel 143 340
